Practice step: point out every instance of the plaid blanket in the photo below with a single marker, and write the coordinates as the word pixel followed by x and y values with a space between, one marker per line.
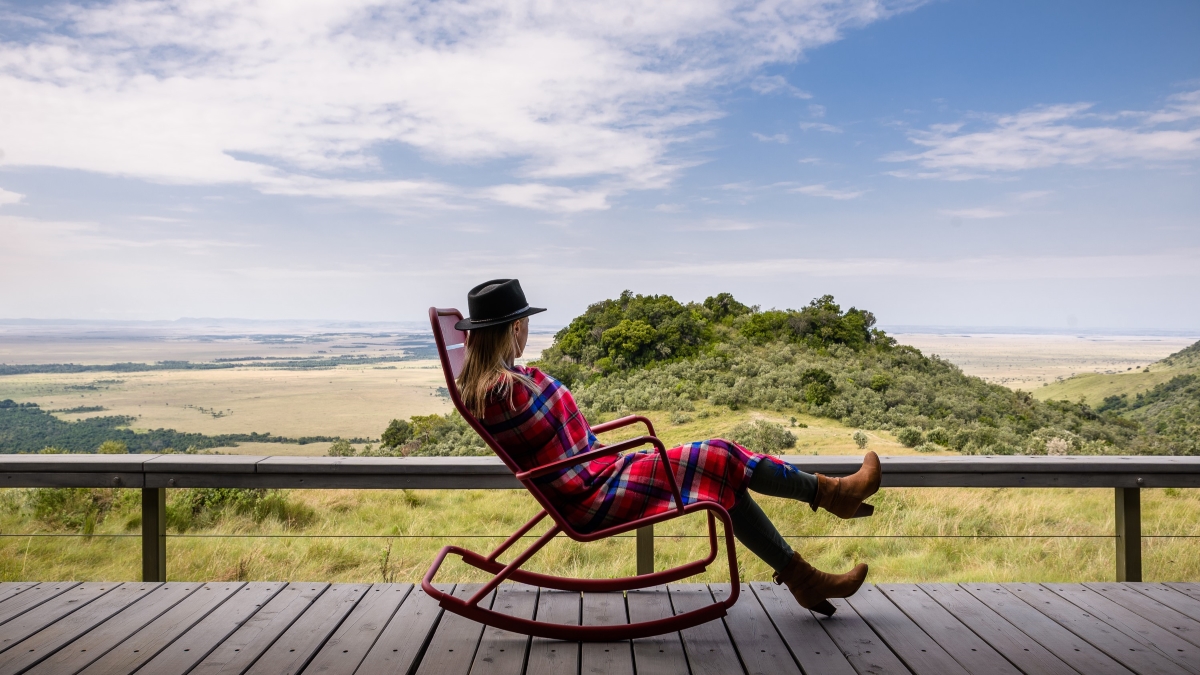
pixel 540 426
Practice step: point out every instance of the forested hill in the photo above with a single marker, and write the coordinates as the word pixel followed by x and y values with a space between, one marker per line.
pixel 654 353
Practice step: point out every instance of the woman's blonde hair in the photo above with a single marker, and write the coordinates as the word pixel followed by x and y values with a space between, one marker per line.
pixel 487 367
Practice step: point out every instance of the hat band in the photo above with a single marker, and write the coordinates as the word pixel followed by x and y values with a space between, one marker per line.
pixel 497 318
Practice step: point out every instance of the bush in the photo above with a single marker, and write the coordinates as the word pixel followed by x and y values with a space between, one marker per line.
pixel 200 507
pixel 860 439
pixel 113 448
pixel 341 448
pixel 80 509
pixel 397 434
pixel 763 436
pixel 910 437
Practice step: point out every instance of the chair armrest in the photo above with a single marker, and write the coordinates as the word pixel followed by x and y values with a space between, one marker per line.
pixel 624 422
pixel 613 449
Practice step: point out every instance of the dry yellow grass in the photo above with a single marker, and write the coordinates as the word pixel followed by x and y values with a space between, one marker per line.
pixel 1028 362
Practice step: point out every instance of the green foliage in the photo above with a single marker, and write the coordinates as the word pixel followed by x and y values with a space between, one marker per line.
pixel 1170 414
pixel 78 509
pixel 763 436
pixel 821 361
pixel 860 439
pixel 112 448
pixel 200 507
pixel 397 434
pixel 446 435
pixel 910 436
pixel 341 448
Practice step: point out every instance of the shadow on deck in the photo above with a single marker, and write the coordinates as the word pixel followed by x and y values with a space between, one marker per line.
pixel 234 627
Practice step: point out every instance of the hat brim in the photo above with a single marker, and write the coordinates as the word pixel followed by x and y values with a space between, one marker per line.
pixel 468 324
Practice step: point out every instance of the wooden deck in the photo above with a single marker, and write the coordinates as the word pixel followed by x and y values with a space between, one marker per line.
pixel 262 627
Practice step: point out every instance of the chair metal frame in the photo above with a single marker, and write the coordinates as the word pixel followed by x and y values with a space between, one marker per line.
pixel 450 344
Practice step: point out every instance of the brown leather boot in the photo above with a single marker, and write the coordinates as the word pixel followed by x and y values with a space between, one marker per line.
pixel 843 497
pixel 812 588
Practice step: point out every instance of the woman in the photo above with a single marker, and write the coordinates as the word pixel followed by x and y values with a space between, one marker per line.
pixel 534 417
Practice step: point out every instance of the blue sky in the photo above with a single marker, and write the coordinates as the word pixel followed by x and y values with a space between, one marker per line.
pixel 954 163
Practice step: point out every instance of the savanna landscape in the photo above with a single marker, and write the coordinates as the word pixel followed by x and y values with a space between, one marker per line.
pixel 818 380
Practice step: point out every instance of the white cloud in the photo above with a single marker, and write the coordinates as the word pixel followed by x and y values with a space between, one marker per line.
pixel 776 83
pixel 717 225
pixel 1059 135
pixel 816 110
pixel 979 213
pixel 820 126
pixel 825 191
pixel 1032 195
pixel 289 99
pixel 776 138
pixel 7 197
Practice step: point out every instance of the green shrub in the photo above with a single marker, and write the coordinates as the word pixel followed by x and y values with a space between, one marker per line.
pixel 200 507
pixel 910 437
pixel 341 448
pixel 113 448
pixel 860 439
pixel 763 436
pixel 397 434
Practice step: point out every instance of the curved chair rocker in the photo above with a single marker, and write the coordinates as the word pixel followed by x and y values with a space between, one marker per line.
pixel 450 343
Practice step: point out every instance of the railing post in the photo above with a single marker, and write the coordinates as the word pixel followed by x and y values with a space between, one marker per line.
pixel 1129 534
pixel 645 550
pixel 154 534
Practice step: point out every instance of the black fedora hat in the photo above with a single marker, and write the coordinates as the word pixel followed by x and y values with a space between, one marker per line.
pixel 496 302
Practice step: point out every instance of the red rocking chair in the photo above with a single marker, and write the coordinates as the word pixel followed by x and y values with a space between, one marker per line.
pixel 450 343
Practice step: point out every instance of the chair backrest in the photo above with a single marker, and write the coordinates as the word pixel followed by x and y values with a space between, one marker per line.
pixel 451 346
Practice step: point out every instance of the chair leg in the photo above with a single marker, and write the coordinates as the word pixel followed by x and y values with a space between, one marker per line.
pixel 514 565
pixel 516 536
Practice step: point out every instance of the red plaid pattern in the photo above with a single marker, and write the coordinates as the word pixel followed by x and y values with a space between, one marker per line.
pixel 539 427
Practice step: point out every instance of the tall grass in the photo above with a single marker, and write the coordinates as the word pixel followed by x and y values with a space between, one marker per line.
pixel 445 516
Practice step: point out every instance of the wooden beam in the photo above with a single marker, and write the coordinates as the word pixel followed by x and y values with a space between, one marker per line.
pixel 1129 534
pixel 154 534
pixel 645 550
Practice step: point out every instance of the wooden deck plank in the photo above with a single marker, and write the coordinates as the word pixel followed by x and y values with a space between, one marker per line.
pixel 10 588
pixel 98 641
pixel 1021 650
pixel 1058 640
pixel 33 597
pixel 1132 624
pixel 297 645
pixel 865 650
pixel 349 645
pixel 152 639
pixel 1189 588
pixel 921 653
pixel 1184 604
pixel 762 650
pixel 405 637
pixel 552 657
pixel 240 650
pixel 1153 611
pixel 959 641
pixel 708 646
pixel 660 654
pixel 40 646
pixel 453 646
pixel 810 645
pixel 181 655
pixel 502 652
pixel 1132 653
pixel 605 658
pixel 50 611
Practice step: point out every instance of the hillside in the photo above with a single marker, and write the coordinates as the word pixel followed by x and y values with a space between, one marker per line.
pixel 654 353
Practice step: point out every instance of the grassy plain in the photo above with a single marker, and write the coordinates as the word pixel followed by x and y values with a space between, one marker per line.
pixel 407 527
pixel 1035 362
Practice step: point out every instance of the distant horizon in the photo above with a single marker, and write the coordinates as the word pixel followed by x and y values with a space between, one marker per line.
pixel 418 324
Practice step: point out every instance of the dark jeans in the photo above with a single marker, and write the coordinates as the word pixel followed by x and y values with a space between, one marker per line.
pixel 752 527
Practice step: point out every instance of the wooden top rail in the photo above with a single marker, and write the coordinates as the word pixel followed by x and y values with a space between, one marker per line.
pixel 184 471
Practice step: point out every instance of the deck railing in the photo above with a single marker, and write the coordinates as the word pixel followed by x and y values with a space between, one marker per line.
pixel 155 474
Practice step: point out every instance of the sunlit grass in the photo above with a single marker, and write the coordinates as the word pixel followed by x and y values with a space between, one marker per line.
pixel 445 515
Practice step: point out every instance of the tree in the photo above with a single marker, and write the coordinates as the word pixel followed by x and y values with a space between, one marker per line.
pixel 341 448
pixel 398 433
pixel 860 439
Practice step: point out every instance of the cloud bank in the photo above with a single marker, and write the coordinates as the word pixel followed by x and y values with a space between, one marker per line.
pixel 307 97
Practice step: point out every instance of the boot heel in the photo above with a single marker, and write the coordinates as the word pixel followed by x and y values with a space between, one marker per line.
pixel 824 607
pixel 863 511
